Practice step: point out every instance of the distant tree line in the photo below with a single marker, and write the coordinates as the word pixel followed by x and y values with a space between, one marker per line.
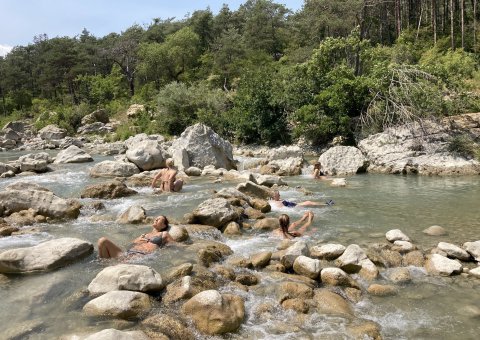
pixel 261 73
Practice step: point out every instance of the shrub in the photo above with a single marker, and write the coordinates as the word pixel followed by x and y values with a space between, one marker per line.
pixel 464 146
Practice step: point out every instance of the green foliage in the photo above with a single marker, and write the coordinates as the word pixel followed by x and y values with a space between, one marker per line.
pixel 66 117
pixel 464 145
pixel 100 89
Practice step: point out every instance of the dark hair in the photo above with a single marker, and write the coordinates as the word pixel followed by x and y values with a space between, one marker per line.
pixel 284 221
pixel 165 219
pixel 317 165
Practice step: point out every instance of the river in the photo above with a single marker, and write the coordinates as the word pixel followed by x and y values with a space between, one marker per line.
pixel 428 308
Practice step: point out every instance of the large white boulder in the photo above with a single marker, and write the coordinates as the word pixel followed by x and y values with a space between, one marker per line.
pixel 52 132
pixel 216 212
pixel 119 303
pixel 396 235
pixel 147 155
pixel 44 256
pixel 307 266
pixel 343 160
pixel 72 154
pixel 454 251
pixel 126 277
pixel 474 249
pixel 114 169
pixel 440 265
pixel 204 147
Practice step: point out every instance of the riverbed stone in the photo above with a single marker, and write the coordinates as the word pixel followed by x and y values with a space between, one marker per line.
pixel 454 251
pixel 132 277
pixel 414 258
pixel 204 147
pixel 396 235
pixel 109 189
pixel 328 302
pixel 269 180
pixel 402 246
pixel 475 272
pixel 23 196
pixel 247 279
pixel 214 313
pixel 45 256
pixel 114 169
pixel 439 265
pixel 399 275
pixel 261 260
pixel 329 251
pixel 337 277
pixel 382 290
pixel 267 224
pixel 52 131
pixel 435 230
pixel 297 305
pixel 474 249
pixel 178 272
pixel 232 228
pixel 343 160
pixel 114 334
pixel 179 233
pixel 307 266
pixel 134 215
pixel 299 248
pixel 253 214
pixel 215 212
pixel 120 304
pixel 169 325
pixel 251 189
pixel 294 290
pixel 350 260
pixel 365 330
pixel 146 155
pixel 72 154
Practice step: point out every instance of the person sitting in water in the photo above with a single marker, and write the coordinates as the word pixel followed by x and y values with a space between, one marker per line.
pixel 289 204
pixel 289 231
pixel 317 172
pixel 145 244
pixel 167 177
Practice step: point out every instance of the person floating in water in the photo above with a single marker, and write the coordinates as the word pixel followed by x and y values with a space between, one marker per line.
pixel 145 244
pixel 289 231
pixel 167 177
pixel 278 202
pixel 317 172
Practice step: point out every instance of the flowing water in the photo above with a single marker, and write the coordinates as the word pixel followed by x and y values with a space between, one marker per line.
pixel 428 308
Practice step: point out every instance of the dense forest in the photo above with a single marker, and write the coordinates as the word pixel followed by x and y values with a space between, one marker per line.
pixel 261 73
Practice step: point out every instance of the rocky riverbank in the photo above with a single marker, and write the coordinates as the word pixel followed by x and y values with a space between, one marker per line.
pixel 206 296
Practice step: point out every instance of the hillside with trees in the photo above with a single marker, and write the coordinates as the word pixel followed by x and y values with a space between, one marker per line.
pixel 260 73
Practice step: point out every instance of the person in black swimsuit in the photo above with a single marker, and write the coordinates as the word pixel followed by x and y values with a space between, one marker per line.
pixel 145 244
pixel 278 202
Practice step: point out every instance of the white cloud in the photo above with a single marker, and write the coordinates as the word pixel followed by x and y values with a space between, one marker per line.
pixel 4 49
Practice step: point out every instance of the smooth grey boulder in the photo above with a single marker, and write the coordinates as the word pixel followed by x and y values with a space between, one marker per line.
pixel 72 154
pixel 299 248
pixel 23 196
pixel 214 313
pixel 134 214
pixel 440 265
pixel 343 160
pixel 48 255
pixel 147 155
pixel 287 167
pixel 351 259
pixel 203 147
pixel 474 249
pixel 396 235
pixel 126 277
pixel 337 277
pixel 52 132
pixel 113 334
pixel 435 230
pixel 329 251
pixel 307 266
pixel 251 189
pixel 120 304
pixel 114 169
pixel 454 251
pixel 215 212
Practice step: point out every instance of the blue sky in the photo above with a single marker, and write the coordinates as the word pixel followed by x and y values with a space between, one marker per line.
pixel 21 20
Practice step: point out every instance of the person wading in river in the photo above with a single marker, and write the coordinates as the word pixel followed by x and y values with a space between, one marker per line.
pixel 145 244
pixel 167 177
pixel 289 231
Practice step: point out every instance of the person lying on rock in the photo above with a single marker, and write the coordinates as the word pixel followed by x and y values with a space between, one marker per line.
pixel 278 202
pixel 145 244
pixel 167 177
pixel 289 231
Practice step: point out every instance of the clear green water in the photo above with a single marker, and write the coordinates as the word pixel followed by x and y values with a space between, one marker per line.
pixel 428 308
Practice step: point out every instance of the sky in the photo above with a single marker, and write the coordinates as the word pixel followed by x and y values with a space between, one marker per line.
pixel 21 20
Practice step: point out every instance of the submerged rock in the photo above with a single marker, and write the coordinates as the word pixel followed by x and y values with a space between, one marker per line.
pixel 113 334
pixel 435 230
pixel 110 189
pixel 48 255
